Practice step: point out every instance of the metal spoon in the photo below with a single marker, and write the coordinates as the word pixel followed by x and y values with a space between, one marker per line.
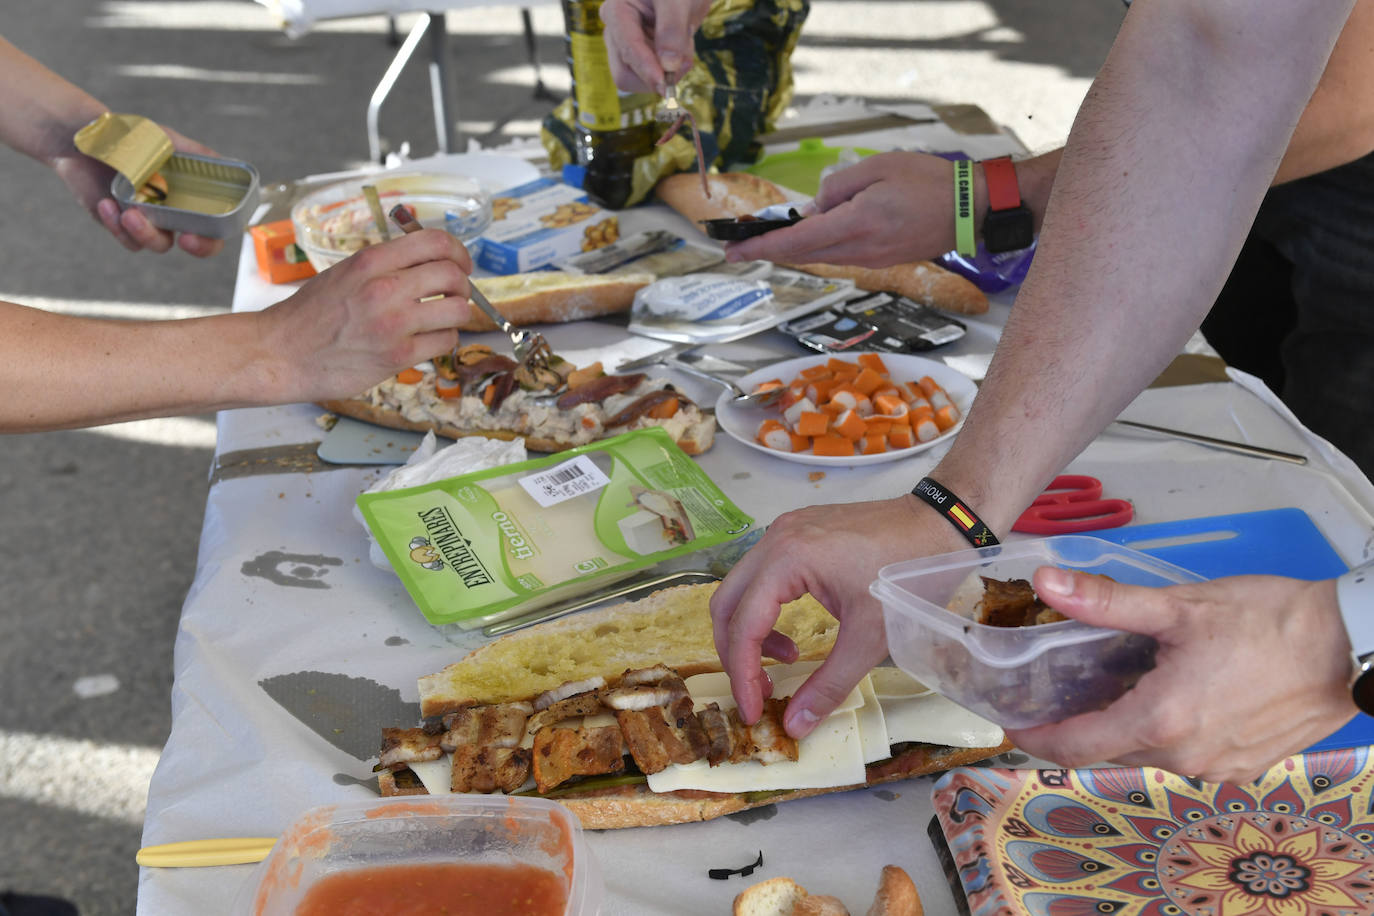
pixel 741 398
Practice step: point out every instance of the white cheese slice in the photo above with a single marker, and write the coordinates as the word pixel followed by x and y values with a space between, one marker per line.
pixel 872 725
pixel 437 775
pixel 832 755
pixel 895 683
pixel 936 720
pixel 599 720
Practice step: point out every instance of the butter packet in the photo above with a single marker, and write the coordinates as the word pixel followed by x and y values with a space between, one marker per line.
pixel 498 543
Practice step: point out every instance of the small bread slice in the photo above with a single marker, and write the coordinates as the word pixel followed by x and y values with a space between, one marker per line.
pixel 774 897
pixel 554 296
pixel 896 895
pixel 819 905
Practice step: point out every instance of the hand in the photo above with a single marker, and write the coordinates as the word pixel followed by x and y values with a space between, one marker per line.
pixel 362 319
pixel 833 552
pixel 891 208
pixel 649 42
pixel 1250 670
pixel 89 181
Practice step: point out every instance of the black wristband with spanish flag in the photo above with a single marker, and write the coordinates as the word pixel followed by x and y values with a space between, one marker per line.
pixel 959 514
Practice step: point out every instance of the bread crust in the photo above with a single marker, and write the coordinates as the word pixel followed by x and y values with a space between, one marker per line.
pixel 735 194
pixel 545 297
pixel 897 895
pixel 698 438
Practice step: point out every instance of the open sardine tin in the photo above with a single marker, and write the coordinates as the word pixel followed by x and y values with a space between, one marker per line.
pixel 205 195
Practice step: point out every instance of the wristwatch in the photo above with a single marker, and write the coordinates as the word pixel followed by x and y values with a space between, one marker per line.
pixel 1008 224
pixel 1355 596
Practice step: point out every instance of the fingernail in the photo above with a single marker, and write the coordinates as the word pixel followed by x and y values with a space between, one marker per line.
pixel 809 208
pixel 799 722
pixel 671 61
pixel 1055 580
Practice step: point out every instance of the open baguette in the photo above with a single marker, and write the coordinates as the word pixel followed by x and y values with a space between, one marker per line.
pixel 735 194
pixel 694 437
pixel 670 627
pixel 553 296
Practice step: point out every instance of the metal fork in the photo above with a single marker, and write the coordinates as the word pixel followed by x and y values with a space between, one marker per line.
pixel 531 349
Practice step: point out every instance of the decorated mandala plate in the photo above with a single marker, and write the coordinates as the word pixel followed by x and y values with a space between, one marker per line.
pixel 1144 842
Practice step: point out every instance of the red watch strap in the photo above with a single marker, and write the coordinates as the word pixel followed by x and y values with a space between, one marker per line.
pixel 1003 194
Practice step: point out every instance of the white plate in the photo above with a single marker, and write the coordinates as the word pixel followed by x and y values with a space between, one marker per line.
pixel 743 422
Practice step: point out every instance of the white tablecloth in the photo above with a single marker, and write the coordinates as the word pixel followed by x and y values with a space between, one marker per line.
pixel 294 650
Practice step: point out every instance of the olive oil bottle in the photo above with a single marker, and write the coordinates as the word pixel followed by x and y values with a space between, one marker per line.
pixel 613 128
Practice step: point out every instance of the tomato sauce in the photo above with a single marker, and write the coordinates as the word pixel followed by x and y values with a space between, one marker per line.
pixel 456 889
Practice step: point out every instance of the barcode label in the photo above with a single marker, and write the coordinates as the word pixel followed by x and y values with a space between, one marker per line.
pixel 565 481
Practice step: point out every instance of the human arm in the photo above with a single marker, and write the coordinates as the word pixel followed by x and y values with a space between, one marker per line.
pixel 340 333
pixel 1168 159
pixel 1270 654
pixel 40 115
pixel 649 42
pixel 891 208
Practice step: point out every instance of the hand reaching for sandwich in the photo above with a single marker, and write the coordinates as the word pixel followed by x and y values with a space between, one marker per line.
pixel 364 318
pixel 887 209
pixel 89 181
pixel 649 42
pixel 1250 670
pixel 833 552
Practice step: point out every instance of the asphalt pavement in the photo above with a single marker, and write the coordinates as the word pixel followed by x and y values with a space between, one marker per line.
pixel 99 528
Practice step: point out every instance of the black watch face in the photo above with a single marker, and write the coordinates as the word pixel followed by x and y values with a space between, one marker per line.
pixel 1363 691
pixel 1008 230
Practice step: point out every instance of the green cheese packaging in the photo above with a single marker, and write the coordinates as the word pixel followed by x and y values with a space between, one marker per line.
pixel 498 543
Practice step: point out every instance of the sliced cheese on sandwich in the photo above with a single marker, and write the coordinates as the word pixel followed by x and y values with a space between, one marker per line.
pixel 714 686
pixel 935 719
pixel 872 725
pixel 437 775
pixel 832 755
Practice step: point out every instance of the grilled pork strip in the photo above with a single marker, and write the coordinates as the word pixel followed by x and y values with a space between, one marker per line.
pixel 489 769
pixel 562 753
pixel 499 725
pixel 408 745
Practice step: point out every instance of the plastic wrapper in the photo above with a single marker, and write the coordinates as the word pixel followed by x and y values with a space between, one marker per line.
pixel 498 543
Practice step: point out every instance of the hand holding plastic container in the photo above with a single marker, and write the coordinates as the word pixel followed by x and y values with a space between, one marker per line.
pixel 1018 677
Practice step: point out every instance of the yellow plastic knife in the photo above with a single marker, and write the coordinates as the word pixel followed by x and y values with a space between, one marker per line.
pixel 197 853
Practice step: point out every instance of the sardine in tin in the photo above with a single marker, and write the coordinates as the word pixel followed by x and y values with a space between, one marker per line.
pixel 203 195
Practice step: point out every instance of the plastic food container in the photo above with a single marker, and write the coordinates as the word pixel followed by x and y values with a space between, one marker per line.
pixel 334 221
pixel 1016 676
pixel 452 829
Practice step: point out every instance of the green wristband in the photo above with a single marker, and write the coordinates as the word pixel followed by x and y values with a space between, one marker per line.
pixel 963 208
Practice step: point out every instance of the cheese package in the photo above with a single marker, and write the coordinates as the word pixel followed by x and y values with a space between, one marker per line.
pixel 539 222
pixel 501 542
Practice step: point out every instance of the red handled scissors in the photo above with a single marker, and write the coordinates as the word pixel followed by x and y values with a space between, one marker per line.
pixel 1070 504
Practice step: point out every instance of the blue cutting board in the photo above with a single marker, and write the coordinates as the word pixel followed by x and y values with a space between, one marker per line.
pixel 1281 542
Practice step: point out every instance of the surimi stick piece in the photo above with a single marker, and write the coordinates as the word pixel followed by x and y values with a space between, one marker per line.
pixel 774 435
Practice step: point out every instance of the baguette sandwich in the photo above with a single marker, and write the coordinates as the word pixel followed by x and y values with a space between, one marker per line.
pixel 736 194
pixel 476 392
pixel 552 297
pixel 624 716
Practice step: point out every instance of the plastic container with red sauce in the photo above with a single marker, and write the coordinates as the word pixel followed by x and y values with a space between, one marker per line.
pixel 492 833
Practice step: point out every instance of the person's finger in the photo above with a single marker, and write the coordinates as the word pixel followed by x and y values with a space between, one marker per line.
pixel 857 649
pixel 411 249
pixel 144 233
pixel 187 145
pixel 749 626
pixel 434 278
pixel 845 183
pixel 803 241
pixel 200 246
pixel 1088 738
pixel 634 65
pixel 107 212
pixel 1101 602
pixel 673 37
pixel 781 647
pixel 427 345
pixel 437 315
pixel 726 597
